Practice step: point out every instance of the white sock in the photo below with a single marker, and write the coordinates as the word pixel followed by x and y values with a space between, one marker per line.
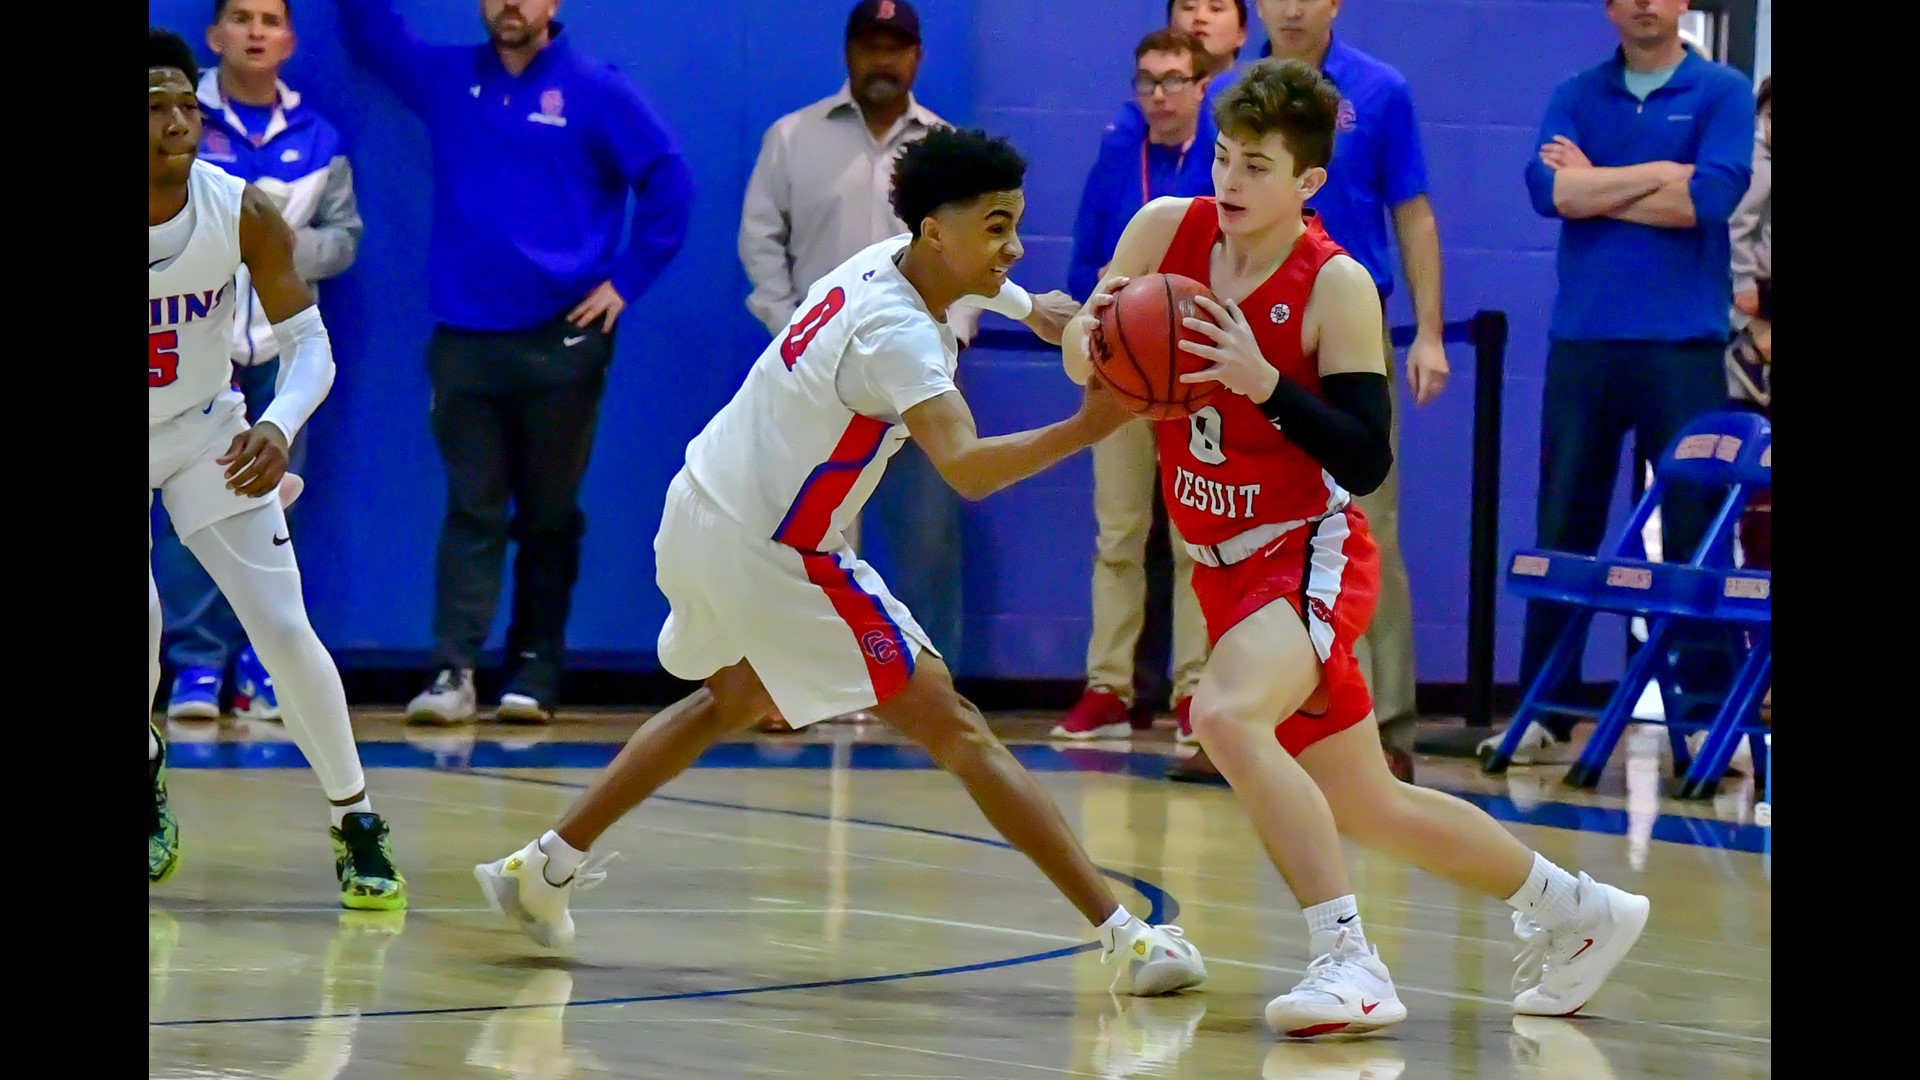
pixel 1551 896
pixel 562 858
pixel 1325 921
pixel 1115 921
pixel 361 805
pixel 153 745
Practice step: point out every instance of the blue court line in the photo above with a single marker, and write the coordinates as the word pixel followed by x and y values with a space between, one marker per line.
pixel 1670 828
pixel 1162 908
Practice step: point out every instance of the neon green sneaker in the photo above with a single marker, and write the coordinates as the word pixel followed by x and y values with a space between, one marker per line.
pixel 364 861
pixel 163 833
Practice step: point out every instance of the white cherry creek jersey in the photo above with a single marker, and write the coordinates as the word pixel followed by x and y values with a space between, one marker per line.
pixel 190 297
pixel 795 454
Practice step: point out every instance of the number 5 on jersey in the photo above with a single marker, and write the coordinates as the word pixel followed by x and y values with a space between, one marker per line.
pixel 800 334
pixel 163 358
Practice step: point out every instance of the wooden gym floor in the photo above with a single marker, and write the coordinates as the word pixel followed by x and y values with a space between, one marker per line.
pixel 827 906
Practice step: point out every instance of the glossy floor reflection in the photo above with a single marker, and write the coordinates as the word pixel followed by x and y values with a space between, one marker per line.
pixel 812 907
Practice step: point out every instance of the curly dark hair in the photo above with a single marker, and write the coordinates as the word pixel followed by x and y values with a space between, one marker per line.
pixel 1288 97
pixel 166 49
pixel 952 165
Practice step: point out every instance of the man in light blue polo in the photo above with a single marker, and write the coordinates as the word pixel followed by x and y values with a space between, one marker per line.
pixel 1643 159
pixel 1378 171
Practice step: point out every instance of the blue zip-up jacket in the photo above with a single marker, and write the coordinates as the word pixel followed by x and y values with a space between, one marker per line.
pixel 530 173
pixel 1624 281
pixel 299 163
pixel 1113 195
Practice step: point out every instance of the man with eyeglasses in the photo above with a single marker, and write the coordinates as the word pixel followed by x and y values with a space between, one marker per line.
pixel 1171 153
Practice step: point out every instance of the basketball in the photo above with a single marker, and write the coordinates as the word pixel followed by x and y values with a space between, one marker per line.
pixel 1137 352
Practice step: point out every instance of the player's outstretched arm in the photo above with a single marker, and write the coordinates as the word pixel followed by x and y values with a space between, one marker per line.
pixel 257 459
pixel 1141 247
pixel 977 467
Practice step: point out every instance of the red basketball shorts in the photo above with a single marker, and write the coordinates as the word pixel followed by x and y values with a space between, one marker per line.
pixel 1329 572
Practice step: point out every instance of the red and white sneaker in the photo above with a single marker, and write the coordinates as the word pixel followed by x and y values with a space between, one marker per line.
pixel 1346 992
pixel 1099 714
pixel 1184 735
pixel 1561 970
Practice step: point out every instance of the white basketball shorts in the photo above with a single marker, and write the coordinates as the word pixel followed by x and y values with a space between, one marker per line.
pixel 820 628
pixel 180 464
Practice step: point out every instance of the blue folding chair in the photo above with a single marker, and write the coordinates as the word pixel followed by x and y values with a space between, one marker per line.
pixel 1730 453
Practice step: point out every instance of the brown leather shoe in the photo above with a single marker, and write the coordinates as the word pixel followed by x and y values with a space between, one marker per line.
pixel 773 724
pixel 1197 769
pixel 1400 763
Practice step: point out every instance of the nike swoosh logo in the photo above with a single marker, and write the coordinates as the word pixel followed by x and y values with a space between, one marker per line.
pixel 1583 948
pixel 1366 1009
pixel 278 540
pixel 155 263
pixel 572 341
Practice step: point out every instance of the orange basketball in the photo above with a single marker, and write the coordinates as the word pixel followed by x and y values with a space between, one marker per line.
pixel 1137 352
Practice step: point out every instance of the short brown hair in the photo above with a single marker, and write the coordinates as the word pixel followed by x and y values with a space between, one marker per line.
pixel 1288 98
pixel 1168 40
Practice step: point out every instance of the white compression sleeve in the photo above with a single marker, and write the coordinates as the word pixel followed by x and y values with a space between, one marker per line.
pixel 1014 302
pixel 306 372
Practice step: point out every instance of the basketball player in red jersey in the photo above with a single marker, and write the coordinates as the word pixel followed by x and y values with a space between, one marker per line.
pixel 1260 483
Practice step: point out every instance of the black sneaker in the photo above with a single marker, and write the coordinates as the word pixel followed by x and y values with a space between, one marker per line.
pixel 363 860
pixel 163 833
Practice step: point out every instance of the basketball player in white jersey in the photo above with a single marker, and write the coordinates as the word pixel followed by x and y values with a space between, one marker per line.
pixel 770 605
pixel 219 477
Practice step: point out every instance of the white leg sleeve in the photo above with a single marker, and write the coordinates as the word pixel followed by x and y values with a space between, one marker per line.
pixel 262 581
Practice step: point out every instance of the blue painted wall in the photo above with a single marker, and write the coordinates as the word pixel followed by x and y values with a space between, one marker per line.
pixel 1048 75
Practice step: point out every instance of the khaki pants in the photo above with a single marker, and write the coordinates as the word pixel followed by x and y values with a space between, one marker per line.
pixel 1124 466
pixel 1385 654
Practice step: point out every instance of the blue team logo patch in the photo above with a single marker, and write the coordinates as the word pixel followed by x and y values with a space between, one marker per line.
pixel 880 646
pixel 216 146
pixel 868 276
pixel 1347 118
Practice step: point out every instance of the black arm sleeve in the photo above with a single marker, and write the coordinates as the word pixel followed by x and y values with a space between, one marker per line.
pixel 1347 431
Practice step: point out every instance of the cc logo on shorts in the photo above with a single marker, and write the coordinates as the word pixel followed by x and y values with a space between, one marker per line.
pixel 879 646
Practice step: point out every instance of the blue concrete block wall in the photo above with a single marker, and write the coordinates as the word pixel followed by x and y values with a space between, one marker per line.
pixel 1049 76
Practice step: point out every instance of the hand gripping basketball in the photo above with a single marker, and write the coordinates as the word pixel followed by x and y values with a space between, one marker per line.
pixel 1237 362
pixel 1137 348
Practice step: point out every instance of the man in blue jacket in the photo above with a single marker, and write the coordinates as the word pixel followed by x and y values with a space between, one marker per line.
pixel 535 149
pixel 1642 159
pixel 256 128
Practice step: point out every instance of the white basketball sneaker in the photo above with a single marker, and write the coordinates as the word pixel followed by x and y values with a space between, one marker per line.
pixel 450 700
pixel 1561 970
pixel 1159 959
pixel 517 888
pixel 1347 991
pixel 1537 747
